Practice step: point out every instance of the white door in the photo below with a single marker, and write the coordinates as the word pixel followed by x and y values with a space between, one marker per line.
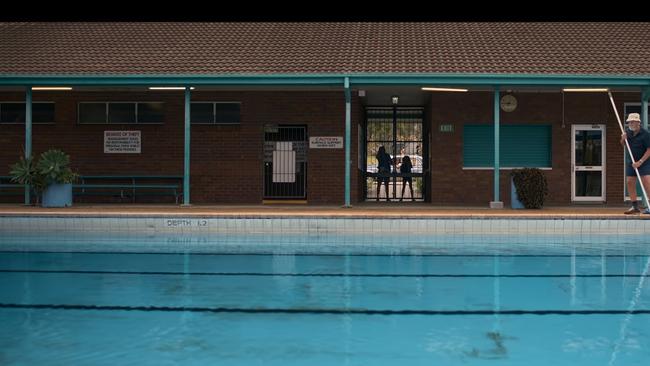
pixel 588 163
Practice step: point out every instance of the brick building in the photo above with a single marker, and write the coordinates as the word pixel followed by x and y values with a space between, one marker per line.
pixel 268 111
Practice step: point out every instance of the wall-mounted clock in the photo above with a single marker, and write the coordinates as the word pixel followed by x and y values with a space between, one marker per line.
pixel 508 103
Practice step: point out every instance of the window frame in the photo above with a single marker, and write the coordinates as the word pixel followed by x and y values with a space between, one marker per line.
pixel 108 113
pixel 106 103
pixel 214 113
pixel 22 123
pixel 137 113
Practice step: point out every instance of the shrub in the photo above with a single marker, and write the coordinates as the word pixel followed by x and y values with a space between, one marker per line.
pixel 51 168
pixel 531 186
pixel 24 172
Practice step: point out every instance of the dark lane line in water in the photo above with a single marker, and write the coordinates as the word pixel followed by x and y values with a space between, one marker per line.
pixel 319 311
pixel 257 274
pixel 271 253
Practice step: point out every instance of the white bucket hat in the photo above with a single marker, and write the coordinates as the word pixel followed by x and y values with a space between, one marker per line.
pixel 633 117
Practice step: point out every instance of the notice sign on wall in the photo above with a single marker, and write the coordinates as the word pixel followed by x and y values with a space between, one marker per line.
pixel 326 142
pixel 122 142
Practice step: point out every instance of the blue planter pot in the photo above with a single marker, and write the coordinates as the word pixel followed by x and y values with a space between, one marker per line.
pixel 57 195
pixel 514 199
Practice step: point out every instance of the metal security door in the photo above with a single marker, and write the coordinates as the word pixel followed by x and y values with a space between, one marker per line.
pixel 285 162
pixel 400 130
pixel 588 157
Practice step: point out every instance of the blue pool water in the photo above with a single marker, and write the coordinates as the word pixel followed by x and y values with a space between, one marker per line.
pixel 576 307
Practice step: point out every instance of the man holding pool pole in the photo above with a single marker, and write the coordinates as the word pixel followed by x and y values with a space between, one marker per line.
pixel 637 140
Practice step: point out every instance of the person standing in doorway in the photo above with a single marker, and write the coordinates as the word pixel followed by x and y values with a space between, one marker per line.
pixel 639 140
pixel 383 165
pixel 405 169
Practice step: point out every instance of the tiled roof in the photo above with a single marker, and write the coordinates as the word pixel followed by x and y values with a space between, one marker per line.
pixel 321 48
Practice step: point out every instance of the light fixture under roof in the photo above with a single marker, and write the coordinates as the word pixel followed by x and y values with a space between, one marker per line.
pixel 169 88
pixel 51 88
pixel 445 89
pixel 585 90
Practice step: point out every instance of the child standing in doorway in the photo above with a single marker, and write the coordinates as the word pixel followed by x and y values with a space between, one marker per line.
pixel 405 168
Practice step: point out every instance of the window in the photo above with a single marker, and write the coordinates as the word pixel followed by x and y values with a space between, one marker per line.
pixel 526 146
pixel 202 112
pixel 43 112
pixel 227 113
pixel 92 112
pixel 121 112
pixel 150 113
pixel 14 112
pixel 215 112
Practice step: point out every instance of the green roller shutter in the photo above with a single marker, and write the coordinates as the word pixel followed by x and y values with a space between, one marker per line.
pixel 478 146
pixel 521 146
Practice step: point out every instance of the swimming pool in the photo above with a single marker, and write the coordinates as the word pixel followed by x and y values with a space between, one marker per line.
pixel 571 305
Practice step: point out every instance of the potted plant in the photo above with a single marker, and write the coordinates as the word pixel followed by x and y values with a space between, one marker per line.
pixel 51 175
pixel 529 188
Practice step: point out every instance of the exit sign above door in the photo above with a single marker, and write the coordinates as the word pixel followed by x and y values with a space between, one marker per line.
pixel 446 128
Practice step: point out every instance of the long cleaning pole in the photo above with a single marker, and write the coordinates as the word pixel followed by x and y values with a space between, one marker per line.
pixel 626 321
pixel 645 195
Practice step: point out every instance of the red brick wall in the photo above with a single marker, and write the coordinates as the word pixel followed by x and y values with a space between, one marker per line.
pixel 226 165
pixel 226 161
pixel 452 185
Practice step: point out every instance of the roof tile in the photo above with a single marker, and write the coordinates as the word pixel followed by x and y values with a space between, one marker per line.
pixel 287 48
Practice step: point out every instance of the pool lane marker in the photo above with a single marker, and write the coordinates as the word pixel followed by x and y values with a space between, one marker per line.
pixel 263 274
pixel 266 254
pixel 317 311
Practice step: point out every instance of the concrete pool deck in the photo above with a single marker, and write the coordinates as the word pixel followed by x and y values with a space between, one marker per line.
pixel 380 210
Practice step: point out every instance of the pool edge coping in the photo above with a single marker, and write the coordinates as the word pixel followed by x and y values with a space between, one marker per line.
pixel 59 215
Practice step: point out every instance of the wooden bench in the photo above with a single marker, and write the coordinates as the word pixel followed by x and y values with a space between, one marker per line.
pixel 129 186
